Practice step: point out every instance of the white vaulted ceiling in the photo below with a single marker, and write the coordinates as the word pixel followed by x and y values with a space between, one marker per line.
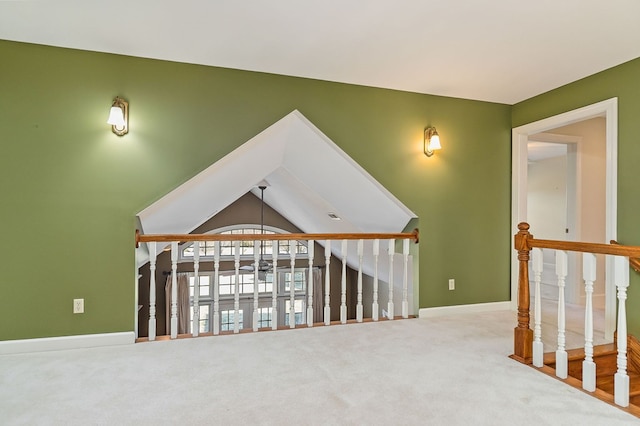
pixel 302 168
pixel 498 50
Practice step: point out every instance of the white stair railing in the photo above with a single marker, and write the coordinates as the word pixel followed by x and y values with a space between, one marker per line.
pixel 561 353
pixel 588 366
pixel 538 346
pixel 621 379
pixel 526 345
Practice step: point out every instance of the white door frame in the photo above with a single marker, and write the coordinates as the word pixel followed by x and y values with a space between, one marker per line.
pixel 519 139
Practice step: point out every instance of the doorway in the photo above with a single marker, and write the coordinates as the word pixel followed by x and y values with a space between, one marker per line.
pixel 607 112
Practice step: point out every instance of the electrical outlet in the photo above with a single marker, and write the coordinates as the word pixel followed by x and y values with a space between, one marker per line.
pixel 78 306
pixel 452 284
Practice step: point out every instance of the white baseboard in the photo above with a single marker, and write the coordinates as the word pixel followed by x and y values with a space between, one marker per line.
pixel 66 342
pixel 463 309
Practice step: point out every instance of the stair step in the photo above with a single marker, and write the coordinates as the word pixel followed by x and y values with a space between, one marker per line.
pixel 578 354
pixel 607 383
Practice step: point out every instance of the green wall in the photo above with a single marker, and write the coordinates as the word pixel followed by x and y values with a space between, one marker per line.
pixel 70 188
pixel 622 82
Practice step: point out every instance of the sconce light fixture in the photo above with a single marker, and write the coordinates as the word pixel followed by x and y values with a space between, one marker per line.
pixel 431 141
pixel 119 116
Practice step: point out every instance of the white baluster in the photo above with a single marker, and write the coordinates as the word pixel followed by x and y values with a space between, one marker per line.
pixel 561 353
pixel 195 330
pixel 256 278
pixel 621 379
pixel 343 285
pixel 538 347
pixel 588 366
pixel 236 299
pixel 405 279
pixel 359 313
pixel 392 251
pixel 216 288
pixel 310 250
pixel 375 309
pixel 174 289
pixel 292 285
pixel 327 282
pixel 152 290
pixel 275 248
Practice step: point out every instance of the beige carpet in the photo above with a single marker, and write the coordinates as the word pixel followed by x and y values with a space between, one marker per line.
pixel 442 371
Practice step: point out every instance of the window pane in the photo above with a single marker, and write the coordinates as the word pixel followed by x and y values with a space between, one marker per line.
pixel 299 311
pixel 226 319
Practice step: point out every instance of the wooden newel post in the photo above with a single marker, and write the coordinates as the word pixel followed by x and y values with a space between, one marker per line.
pixel 523 335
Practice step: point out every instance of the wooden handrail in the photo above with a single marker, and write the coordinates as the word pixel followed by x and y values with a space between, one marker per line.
pixel 523 243
pixel 142 238
pixel 633 261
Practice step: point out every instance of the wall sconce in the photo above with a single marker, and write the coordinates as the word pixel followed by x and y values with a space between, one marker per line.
pixel 431 141
pixel 119 116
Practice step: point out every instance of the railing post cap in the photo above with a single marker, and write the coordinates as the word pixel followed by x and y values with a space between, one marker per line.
pixel 523 226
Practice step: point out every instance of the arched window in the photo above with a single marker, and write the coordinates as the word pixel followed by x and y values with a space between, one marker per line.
pixel 227 248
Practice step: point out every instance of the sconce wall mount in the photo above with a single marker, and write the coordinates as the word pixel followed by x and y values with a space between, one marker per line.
pixel 119 116
pixel 431 141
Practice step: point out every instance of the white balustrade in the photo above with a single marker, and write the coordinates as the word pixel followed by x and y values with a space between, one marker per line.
pixel 327 283
pixel 621 379
pixel 216 288
pixel 343 285
pixel 588 366
pixel 392 252
pixel 310 252
pixel 174 289
pixel 405 279
pixel 152 290
pixel 561 353
pixel 292 285
pixel 359 310
pixel 538 347
pixel 195 330
pixel 274 286
pixel 236 299
pixel 375 309
pixel 236 290
pixel 256 278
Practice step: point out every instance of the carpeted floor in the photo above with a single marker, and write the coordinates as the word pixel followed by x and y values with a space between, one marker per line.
pixel 438 371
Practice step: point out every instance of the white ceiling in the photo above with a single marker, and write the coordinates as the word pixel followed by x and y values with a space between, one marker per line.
pixel 497 50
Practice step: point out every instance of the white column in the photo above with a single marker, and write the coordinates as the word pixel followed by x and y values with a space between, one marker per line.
pixel 310 250
pixel 274 285
pixel 327 282
pixel 216 288
pixel 343 285
pixel 152 290
pixel 359 310
pixel 561 353
pixel 195 326
pixel 174 289
pixel 375 309
pixel 621 379
pixel 236 299
pixel 256 279
pixel 538 347
pixel 292 285
pixel 588 366
pixel 392 251
pixel 405 279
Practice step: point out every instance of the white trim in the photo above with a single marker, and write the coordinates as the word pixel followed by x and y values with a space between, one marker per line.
pixel 608 109
pixel 66 342
pixel 441 311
